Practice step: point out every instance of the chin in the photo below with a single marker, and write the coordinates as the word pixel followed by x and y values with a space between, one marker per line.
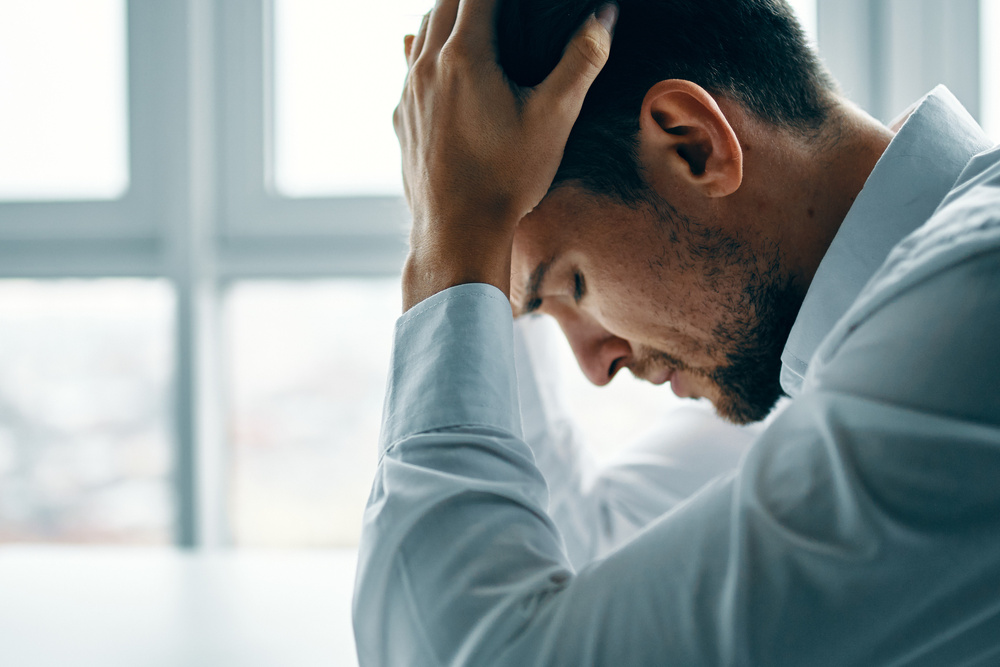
pixel 742 409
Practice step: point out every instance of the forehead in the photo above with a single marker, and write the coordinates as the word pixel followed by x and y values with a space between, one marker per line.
pixel 567 216
pixel 570 228
pixel 556 226
pixel 573 218
pixel 565 206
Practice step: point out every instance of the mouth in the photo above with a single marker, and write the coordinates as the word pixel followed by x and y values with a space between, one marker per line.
pixel 680 386
pixel 677 384
pixel 662 377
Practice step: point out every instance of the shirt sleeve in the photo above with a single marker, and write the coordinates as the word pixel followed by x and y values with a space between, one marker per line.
pixel 860 529
pixel 596 507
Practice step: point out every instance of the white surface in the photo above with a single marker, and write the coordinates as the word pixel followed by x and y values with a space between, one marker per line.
pixel 115 607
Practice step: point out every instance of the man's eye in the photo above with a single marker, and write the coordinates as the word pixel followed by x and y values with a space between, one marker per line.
pixel 579 287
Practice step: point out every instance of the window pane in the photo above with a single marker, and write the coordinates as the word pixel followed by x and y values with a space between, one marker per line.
pixel 63 128
pixel 339 71
pixel 805 10
pixel 990 69
pixel 84 373
pixel 306 370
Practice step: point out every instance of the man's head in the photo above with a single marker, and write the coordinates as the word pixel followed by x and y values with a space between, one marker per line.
pixel 750 51
pixel 682 228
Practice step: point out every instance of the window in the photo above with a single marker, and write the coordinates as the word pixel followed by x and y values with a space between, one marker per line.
pixel 805 10
pixel 338 73
pixel 306 368
pixel 66 139
pixel 84 433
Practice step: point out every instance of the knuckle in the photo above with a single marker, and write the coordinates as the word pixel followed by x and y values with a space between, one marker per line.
pixel 592 49
pixel 456 52
pixel 420 71
pixel 397 121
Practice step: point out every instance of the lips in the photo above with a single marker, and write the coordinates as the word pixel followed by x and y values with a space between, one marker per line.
pixel 679 386
pixel 663 376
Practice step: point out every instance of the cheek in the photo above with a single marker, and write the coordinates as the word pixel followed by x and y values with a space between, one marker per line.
pixel 648 305
pixel 659 322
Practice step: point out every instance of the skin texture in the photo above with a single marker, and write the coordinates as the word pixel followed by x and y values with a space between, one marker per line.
pixel 479 153
pixel 698 285
pixel 700 311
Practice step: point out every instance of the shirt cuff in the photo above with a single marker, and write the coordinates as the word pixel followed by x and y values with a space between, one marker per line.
pixel 452 365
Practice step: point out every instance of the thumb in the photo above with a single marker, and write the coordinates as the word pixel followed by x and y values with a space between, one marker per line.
pixel 585 56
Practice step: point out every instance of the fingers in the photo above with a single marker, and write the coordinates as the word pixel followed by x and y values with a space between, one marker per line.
pixel 418 41
pixel 408 45
pixel 441 24
pixel 435 28
pixel 585 56
pixel 476 23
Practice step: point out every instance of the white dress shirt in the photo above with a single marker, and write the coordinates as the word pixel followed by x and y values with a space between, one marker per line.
pixel 861 528
pixel 900 195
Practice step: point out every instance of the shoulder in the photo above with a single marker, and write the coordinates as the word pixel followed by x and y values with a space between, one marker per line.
pixel 923 332
pixel 966 224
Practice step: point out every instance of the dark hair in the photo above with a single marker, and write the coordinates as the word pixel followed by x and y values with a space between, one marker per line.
pixel 752 51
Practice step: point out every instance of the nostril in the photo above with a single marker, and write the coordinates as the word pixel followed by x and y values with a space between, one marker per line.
pixel 615 367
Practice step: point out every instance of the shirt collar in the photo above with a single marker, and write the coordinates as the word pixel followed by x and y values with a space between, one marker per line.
pixel 917 170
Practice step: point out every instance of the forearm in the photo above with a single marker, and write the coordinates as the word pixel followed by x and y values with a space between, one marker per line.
pixel 457 503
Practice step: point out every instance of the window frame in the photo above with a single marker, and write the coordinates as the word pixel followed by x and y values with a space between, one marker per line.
pixel 97 237
pixel 252 206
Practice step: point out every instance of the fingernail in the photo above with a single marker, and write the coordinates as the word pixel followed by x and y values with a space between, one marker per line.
pixel 607 16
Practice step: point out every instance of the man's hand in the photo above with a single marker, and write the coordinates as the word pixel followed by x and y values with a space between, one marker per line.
pixel 478 152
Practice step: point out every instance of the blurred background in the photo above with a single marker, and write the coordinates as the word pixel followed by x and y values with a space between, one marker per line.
pixel 201 232
pixel 200 236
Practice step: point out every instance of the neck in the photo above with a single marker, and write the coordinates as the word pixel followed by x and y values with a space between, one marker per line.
pixel 827 173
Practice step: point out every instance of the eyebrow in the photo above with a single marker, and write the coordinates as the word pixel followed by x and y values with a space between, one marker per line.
pixel 532 299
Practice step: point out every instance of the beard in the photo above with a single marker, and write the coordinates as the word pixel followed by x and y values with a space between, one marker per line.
pixel 749 382
pixel 759 301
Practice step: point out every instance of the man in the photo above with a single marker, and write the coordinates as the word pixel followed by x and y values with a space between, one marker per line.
pixel 721 219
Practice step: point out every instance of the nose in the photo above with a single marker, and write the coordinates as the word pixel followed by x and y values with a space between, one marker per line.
pixel 600 353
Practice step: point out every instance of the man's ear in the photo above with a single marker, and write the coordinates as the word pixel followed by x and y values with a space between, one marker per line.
pixel 683 134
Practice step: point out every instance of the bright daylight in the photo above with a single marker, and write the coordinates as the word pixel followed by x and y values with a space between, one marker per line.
pixel 499 332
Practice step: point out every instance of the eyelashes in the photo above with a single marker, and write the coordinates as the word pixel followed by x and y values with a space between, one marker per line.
pixel 579 291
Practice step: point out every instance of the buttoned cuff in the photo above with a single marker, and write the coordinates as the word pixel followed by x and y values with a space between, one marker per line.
pixel 452 365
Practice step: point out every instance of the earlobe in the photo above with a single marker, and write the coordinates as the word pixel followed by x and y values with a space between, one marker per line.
pixel 684 134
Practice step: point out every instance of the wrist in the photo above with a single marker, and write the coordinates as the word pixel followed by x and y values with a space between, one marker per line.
pixel 424 275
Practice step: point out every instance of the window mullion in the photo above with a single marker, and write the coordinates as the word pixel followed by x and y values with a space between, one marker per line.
pixel 180 38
